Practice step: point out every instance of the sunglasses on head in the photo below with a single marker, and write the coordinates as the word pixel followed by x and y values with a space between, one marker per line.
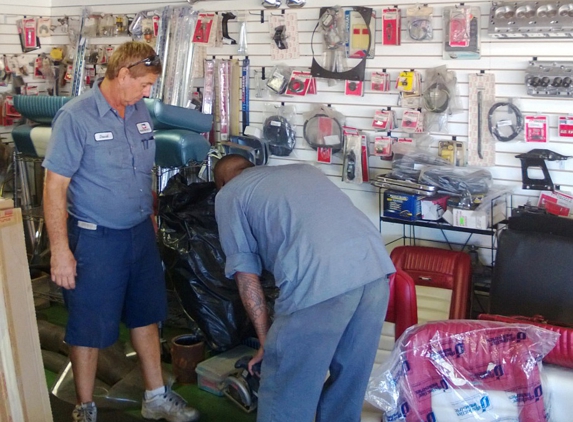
pixel 148 61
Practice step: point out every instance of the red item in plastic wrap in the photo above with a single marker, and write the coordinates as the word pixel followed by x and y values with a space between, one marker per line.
pixel 462 370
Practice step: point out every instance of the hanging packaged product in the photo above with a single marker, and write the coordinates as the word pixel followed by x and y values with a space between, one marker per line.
pixel 354 88
pixel 107 26
pixel 121 25
pixel 536 129
pixel 452 151
pixel 481 145
pixel 359 35
pixel 38 68
pixel 223 97
pixel 384 120
pixel 439 99
pixel 245 90
pixel 301 83
pixel 505 121
pixel 43 27
pixel 323 131
pixel 90 26
pixel 380 82
pixel 148 30
pixel 205 29
pixel 28 37
pixel 409 84
pixel 383 147
pixel 279 79
pixel 419 21
pixel 412 121
pixel 364 154
pixel 565 126
pixel 284 36
pixel 352 163
pixel 278 129
pixel 391 26
pixel 462 32
pixel 243 46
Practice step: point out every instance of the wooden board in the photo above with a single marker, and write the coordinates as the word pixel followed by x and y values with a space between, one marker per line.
pixel 23 388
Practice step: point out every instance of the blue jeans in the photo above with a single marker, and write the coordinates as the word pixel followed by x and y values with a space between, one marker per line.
pixel 339 336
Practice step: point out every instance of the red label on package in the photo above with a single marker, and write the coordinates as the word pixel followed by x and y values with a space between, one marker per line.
pixel 536 129
pixel 324 154
pixel 566 126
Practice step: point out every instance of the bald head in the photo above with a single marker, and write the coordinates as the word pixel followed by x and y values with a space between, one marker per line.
pixel 229 167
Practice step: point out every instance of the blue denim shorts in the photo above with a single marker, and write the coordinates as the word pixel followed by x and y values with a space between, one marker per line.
pixel 119 279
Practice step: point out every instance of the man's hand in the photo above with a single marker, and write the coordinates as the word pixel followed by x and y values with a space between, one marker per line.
pixel 63 263
pixel 63 269
pixel 256 359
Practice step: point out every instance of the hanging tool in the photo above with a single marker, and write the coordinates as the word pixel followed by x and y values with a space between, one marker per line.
pixel 479 100
pixel 227 16
pixel 536 158
pixel 245 82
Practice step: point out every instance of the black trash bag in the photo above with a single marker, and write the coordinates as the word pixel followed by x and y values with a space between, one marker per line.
pixel 195 264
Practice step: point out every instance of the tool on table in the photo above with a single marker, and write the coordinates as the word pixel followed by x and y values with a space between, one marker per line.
pixel 536 159
pixel 242 387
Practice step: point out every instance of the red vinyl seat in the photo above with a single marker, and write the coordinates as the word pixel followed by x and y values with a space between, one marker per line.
pixel 401 314
pixel 442 278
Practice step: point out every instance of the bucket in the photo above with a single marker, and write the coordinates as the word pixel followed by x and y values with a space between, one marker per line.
pixel 187 350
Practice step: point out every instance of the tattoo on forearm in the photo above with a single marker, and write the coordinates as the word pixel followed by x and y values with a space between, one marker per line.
pixel 254 302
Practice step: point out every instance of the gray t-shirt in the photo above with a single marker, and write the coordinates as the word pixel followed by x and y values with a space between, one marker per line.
pixel 293 221
pixel 109 160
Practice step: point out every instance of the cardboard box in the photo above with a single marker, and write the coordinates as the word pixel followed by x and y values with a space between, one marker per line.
pixel 405 206
pixel 479 219
pixel 211 373
pixel 433 208
pixel 556 202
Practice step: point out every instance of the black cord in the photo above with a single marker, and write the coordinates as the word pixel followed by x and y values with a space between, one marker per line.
pixel 315 145
pixel 515 129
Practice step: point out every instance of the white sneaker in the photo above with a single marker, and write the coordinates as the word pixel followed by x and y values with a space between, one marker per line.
pixel 169 406
pixel 85 412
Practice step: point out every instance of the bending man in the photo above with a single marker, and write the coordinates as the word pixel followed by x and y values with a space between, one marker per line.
pixel 331 267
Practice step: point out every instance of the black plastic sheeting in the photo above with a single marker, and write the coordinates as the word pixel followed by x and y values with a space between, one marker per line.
pixel 195 264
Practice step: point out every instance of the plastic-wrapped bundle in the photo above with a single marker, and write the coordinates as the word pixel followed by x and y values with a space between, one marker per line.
pixel 458 181
pixel 465 370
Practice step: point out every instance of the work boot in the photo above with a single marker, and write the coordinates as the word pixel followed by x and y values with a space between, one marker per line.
pixel 85 412
pixel 169 406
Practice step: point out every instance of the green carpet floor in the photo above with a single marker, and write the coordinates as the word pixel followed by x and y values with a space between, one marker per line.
pixel 212 407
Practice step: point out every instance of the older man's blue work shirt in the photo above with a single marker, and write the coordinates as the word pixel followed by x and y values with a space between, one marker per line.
pixel 108 158
pixel 293 221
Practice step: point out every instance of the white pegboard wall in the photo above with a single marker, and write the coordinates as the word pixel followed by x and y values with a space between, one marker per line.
pixel 507 59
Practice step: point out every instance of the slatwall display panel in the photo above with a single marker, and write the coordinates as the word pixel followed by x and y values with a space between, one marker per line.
pixel 10 12
pixel 507 59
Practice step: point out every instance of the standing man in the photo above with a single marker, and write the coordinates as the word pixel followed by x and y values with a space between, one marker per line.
pixel 98 211
pixel 332 269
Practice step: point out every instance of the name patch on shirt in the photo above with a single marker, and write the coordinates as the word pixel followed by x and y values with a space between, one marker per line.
pixel 144 127
pixel 104 136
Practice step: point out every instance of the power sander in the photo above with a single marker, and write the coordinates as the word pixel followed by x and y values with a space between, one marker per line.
pixel 242 387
